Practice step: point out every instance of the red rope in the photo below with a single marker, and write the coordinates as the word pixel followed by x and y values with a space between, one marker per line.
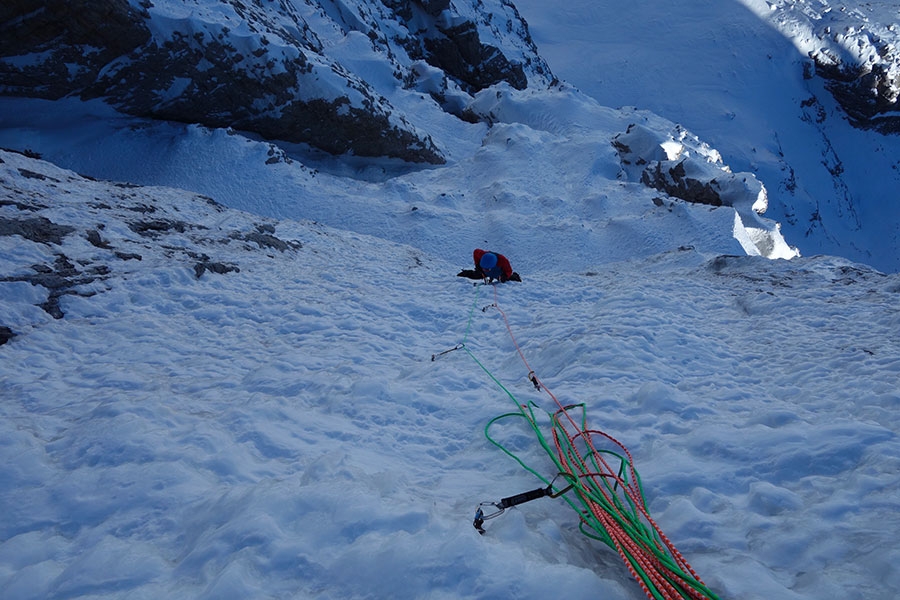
pixel 629 549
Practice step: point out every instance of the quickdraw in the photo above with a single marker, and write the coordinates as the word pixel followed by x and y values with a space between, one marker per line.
pixel 481 517
pixel 456 347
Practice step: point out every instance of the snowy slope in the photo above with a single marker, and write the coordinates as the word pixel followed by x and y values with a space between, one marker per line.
pixel 854 47
pixel 217 376
pixel 740 79
pixel 546 169
pixel 273 426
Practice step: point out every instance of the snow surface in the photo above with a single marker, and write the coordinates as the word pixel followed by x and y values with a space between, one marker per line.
pixel 732 72
pixel 281 431
pixel 546 168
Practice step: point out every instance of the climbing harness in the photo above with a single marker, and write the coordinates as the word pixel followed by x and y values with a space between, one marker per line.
pixel 603 486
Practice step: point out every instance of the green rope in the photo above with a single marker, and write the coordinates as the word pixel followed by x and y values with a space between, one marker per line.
pixel 586 490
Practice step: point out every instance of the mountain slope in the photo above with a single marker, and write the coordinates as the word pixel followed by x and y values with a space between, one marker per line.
pixel 272 425
pixel 287 70
pixel 745 82
pixel 206 402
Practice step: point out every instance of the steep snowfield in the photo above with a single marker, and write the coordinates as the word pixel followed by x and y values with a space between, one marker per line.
pixel 221 382
pixel 278 428
pixel 546 170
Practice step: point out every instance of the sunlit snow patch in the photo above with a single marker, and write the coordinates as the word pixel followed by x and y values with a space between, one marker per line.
pixel 677 163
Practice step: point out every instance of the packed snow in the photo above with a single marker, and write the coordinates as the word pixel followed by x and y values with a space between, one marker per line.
pixel 222 382
pixel 280 430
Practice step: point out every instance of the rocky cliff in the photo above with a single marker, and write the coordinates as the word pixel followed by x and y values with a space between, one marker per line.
pixel 298 71
pixel 855 49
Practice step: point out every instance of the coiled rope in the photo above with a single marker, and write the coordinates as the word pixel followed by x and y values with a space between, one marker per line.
pixel 610 501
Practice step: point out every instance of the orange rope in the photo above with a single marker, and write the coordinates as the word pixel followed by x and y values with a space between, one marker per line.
pixel 663 578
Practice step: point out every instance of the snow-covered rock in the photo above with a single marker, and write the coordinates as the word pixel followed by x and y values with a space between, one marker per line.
pixel 292 71
pixel 855 48
pixel 680 165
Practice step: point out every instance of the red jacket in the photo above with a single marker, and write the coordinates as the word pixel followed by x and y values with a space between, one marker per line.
pixel 503 265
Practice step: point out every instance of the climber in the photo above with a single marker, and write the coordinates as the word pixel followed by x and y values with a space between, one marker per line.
pixel 490 266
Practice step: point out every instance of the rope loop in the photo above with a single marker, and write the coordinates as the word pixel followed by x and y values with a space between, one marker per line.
pixel 609 501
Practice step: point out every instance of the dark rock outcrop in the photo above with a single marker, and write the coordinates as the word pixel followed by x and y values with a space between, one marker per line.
pixel 685 170
pixel 122 227
pixel 458 51
pixel 867 93
pixel 257 66
pixel 74 41
pixel 856 52
pixel 36 229
pixel 671 177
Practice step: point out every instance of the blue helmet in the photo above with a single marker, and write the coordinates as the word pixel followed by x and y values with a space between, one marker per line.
pixel 488 261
